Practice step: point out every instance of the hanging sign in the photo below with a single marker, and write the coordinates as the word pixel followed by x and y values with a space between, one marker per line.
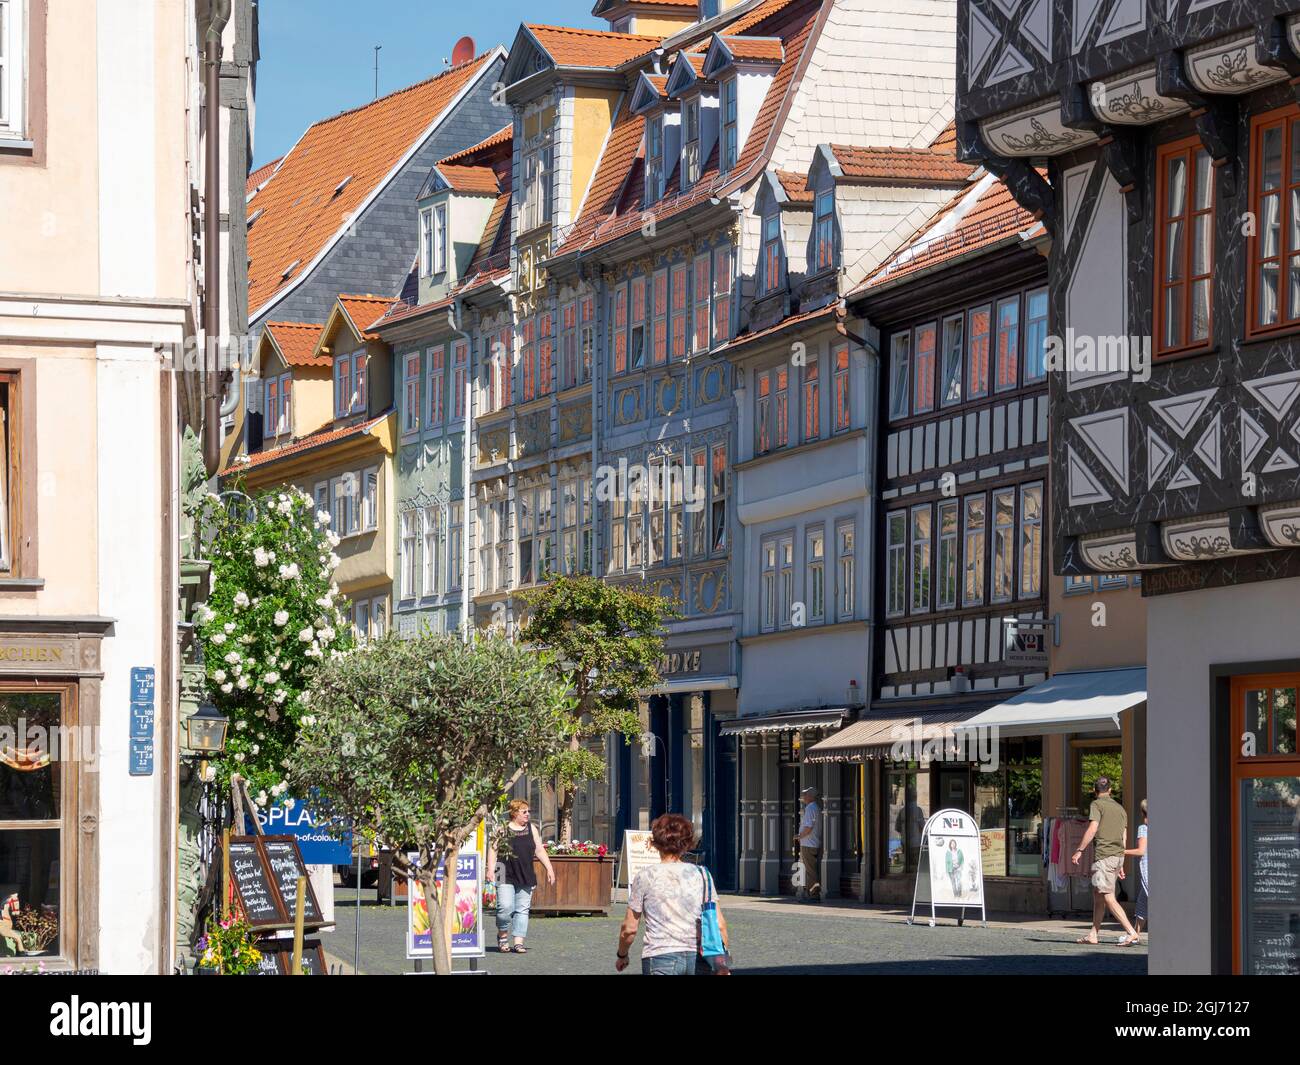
pixel 950 869
pixel 140 757
pixel 467 926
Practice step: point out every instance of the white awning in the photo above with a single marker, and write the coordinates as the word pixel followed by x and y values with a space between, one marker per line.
pixel 791 722
pixel 1090 701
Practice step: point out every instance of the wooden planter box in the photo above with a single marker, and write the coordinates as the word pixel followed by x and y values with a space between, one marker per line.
pixel 582 885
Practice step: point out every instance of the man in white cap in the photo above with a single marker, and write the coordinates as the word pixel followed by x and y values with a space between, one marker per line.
pixel 809 841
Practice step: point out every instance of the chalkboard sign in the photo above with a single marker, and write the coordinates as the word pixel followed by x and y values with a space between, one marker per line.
pixel 1271 915
pixel 264 872
pixel 271 965
pixel 251 879
pixel 286 866
pixel 313 958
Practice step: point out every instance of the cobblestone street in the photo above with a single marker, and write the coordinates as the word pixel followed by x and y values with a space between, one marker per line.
pixel 774 937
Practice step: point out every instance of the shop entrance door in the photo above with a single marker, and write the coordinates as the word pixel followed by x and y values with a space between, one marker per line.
pixel 1265 826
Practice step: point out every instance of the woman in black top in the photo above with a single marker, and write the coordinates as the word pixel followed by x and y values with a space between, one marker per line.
pixel 519 842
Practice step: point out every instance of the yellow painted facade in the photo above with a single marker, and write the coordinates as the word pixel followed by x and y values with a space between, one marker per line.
pixel 593 115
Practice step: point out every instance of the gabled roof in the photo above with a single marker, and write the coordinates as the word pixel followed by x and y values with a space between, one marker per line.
pixel 471 180
pixel 334 171
pixel 483 150
pixel 612 207
pixel 899 166
pixel 650 91
pixel 984 215
pixel 296 342
pixel 795 187
pixel 569 46
pixel 686 70
pixel 362 310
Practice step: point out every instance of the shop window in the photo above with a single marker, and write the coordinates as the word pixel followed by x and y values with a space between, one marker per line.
pixel 1185 249
pixel 1275 247
pixel 1093 759
pixel 35 796
pixel 1008 809
pixel 907 808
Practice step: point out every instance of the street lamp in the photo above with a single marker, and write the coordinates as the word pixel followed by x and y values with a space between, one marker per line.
pixel 205 732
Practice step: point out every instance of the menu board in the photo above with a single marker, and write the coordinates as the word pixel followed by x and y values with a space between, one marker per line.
pixel 251 880
pixel 1270 940
pixel 313 959
pixel 264 873
pixel 286 867
pixel 271 965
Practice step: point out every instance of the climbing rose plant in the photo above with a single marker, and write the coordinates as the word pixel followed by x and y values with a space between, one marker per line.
pixel 271 618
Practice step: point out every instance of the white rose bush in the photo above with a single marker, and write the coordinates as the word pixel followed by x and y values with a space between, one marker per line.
pixel 272 617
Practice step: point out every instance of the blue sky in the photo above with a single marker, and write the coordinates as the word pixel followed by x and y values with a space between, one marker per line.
pixel 318 58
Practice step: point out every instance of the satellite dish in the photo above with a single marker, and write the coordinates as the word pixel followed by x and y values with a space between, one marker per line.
pixel 463 52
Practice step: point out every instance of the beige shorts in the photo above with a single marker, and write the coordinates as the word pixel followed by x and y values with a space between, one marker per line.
pixel 1105 871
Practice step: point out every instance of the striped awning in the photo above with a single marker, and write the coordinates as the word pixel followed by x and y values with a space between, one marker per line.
pixel 874 736
pixel 791 722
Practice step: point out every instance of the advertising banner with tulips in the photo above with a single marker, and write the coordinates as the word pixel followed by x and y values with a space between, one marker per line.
pixel 467 928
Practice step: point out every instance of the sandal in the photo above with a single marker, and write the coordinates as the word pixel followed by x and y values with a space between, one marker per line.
pixel 1088 942
pixel 1129 941
pixel 520 949
pixel 503 944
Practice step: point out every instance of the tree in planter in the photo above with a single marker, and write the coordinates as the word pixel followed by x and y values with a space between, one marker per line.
pixel 271 618
pixel 606 641
pixel 416 741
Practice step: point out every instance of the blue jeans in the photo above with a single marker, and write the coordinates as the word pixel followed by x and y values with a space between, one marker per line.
pixel 512 909
pixel 669 965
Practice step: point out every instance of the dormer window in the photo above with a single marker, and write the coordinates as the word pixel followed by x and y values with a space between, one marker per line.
pixel 654 159
pixel 350 384
pixel 539 180
pixel 771 252
pixel 730 126
pixel 433 240
pixel 278 406
pixel 824 230
pixel 691 161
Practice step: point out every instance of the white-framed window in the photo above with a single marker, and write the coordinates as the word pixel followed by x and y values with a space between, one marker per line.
pixel 778 582
pixel 617 560
pixel 730 125
pixel 440 239
pixel 278 405
pixel 350 384
pixel 493 561
pixel 772 421
pixel 953 359
pixel 536 534
pixel 636 337
pixel 569 345
pixel 718 497
pixel 322 495
pixel 1077 585
pixel 843 396
pixel 920 571
pixel 680 296
pixel 815 574
pixel 772 251
pixel 691 161
pixel 459 372
pixel 586 337
pixel 370 499
pixel 426 242
pixel 456 546
pixel 410 553
pixel 896 564
pixel 13 69
pixel 899 367
pixel 654 160
pixel 846 569
pixel 676 509
pixel 1004 550
pixel 975 531
pixel 812 400
pixel 353 501
pixel 539 181
pixel 436 386
pixel 575 525
pixel 370 617
pixel 824 232
pixel 1035 335
pixel 411 393
pixel 431 527
pixel 659 322
pixel 722 294
pixel 1031 541
pixel 948 557
pixel 701 285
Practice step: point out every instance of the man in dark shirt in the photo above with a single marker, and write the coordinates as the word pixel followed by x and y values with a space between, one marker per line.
pixel 1108 830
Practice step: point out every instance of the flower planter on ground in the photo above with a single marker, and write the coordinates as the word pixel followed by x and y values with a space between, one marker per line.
pixel 582 885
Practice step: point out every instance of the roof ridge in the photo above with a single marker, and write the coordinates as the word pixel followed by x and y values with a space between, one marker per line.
pixel 409 88
pixel 588 31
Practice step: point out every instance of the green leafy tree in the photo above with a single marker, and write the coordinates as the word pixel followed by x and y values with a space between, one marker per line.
pixel 607 641
pixel 416 741
pixel 272 617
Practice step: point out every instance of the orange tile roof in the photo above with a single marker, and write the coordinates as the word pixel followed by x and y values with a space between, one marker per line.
pixel 297 341
pixel 795 185
pixel 303 207
pixel 756 17
pixel 484 147
pixel 982 215
pixel 756 48
pixel 260 174
pixel 569 46
pixel 362 310
pixel 929 166
pixel 320 438
pixel 475 180
pixel 947 139
pixel 612 208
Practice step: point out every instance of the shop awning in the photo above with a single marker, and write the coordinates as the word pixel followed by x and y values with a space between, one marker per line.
pixel 695 684
pixel 1090 701
pixel 792 722
pixel 876 735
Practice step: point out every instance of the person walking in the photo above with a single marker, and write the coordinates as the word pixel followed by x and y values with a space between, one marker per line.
pixel 519 843
pixel 669 897
pixel 809 842
pixel 1140 853
pixel 1108 832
